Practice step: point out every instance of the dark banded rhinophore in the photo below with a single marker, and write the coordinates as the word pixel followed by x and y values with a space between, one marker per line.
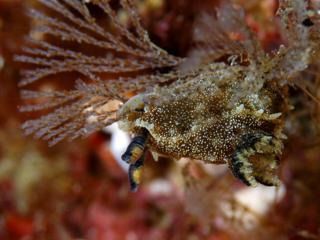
pixel 135 174
pixel 243 169
pixel 136 148
pixel 134 155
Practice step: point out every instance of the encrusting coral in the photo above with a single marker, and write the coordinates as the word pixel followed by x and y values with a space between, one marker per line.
pixel 225 102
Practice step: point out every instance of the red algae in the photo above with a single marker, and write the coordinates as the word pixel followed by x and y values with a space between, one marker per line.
pixel 78 190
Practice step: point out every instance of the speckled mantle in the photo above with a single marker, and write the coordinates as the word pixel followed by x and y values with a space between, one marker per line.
pixel 205 118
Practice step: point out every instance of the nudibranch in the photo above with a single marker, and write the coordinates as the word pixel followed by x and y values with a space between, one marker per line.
pixel 205 119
